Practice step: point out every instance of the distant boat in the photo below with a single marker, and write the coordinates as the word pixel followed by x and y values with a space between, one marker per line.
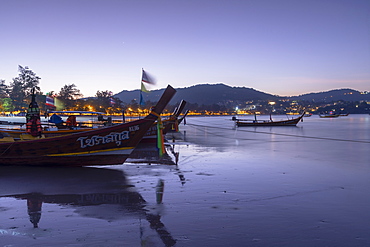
pixel 330 115
pixel 307 114
pixel 270 122
pixel 343 114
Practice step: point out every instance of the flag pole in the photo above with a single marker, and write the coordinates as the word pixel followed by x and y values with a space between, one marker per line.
pixel 141 100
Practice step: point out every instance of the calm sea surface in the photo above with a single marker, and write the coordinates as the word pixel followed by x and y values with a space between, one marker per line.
pixel 268 186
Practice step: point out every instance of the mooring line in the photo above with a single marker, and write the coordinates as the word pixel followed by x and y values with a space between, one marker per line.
pixel 289 135
pixel 7 148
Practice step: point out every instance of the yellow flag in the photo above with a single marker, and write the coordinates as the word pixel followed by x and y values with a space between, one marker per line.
pixel 143 89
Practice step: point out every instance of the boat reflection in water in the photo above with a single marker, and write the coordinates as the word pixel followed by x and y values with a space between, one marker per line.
pixel 79 187
pixel 147 153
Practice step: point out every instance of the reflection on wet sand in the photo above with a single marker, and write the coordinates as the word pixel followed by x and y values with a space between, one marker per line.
pixel 34 205
pixel 78 187
pixel 147 153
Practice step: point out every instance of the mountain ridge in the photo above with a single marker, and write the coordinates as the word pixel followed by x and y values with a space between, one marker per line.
pixel 209 94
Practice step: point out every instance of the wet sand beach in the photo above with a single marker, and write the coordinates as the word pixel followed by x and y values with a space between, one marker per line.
pixel 217 186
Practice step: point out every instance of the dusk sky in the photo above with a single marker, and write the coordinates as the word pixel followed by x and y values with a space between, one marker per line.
pixel 282 47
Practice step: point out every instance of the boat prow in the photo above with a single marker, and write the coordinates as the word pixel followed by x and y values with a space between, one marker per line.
pixel 104 146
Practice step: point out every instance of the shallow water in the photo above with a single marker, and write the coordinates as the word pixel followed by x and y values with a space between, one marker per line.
pixel 268 186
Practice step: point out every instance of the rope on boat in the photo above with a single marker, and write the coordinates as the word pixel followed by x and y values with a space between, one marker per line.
pixel 7 148
pixel 289 135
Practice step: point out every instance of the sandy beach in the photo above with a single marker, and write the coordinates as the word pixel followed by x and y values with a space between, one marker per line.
pixel 217 186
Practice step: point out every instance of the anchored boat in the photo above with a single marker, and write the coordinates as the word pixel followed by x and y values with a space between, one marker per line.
pixel 270 122
pixel 104 146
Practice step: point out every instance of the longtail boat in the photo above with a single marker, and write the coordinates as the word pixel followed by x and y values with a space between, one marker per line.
pixel 172 123
pixel 168 125
pixel 104 146
pixel 330 115
pixel 270 122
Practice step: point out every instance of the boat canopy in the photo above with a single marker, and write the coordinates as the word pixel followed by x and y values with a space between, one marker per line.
pixel 77 112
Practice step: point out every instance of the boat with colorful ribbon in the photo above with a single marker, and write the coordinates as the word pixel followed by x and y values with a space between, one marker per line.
pixel 104 146
pixel 171 124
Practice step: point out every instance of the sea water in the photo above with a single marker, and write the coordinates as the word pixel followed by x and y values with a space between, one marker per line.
pixel 307 185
